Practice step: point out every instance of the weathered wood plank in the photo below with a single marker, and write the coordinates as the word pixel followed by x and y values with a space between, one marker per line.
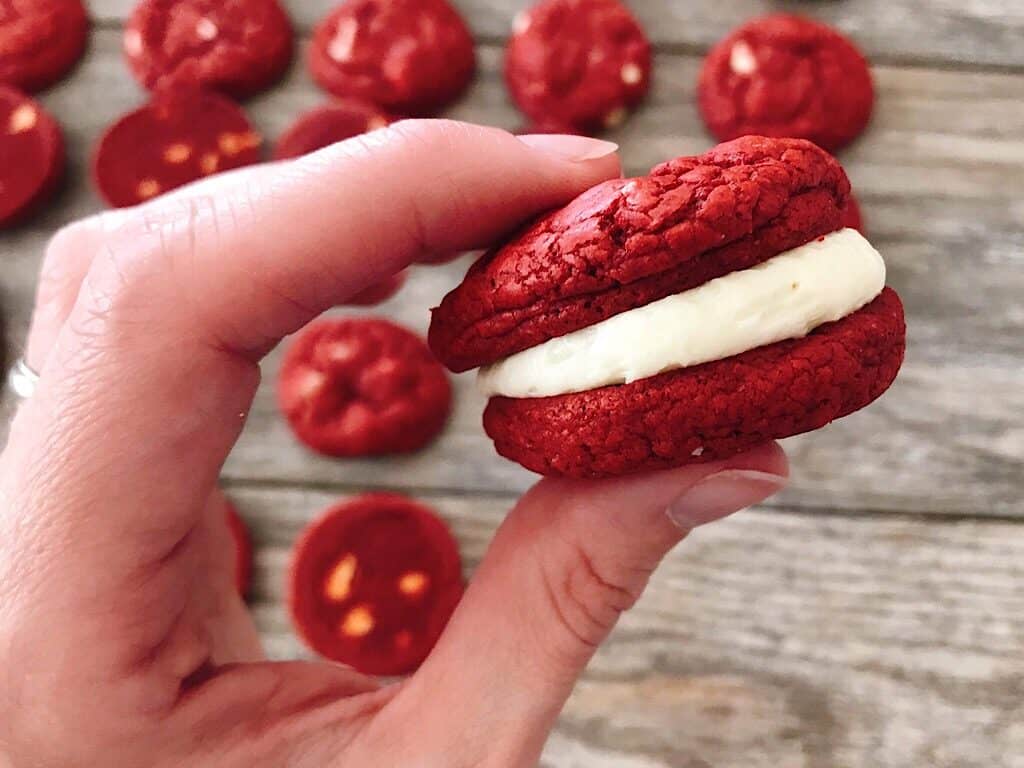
pixel 939 174
pixel 970 32
pixel 839 642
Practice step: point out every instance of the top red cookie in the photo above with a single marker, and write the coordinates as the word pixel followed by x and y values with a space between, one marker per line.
pixel 628 242
pixel 239 47
pixel 783 76
pixel 578 64
pixel 40 41
pixel 409 56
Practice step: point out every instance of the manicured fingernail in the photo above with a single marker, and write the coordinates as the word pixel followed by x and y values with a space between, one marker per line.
pixel 575 148
pixel 721 494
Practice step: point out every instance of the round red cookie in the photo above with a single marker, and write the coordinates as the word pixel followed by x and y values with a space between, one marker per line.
pixel 31 156
pixel 410 56
pixel 239 47
pixel 373 583
pixel 629 242
pixel 783 76
pixel 581 64
pixel 40 41
pixel 852 216
pixel 243 549
pixel 328 125
pixel 178 137
pixel 363 386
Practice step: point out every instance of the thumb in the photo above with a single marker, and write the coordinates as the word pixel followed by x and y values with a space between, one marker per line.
pixel 569 559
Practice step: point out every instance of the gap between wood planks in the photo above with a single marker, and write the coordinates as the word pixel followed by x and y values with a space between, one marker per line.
pixel 342 488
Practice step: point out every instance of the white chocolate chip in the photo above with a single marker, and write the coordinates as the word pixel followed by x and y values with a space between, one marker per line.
pixel 344 40
pixel 616 117
pixel 22 119
pixel 697 452
pixel 521 23
pixel 632 74
pixel 376 123
pixel 206 29
pixel 742 60
pixel 133 42
pixel 175 154
pixel 147 188
pixel 208 163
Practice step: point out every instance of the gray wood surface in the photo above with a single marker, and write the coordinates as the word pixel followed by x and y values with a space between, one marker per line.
pixel 871 616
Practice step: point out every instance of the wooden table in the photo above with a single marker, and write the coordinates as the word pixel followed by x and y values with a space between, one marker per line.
pixel 872 615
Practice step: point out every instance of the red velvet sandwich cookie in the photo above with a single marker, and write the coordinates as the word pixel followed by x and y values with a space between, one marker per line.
pixel 239 47
pixel 180 136
pixel 363 386
pixel 328 125
pixel 374 582
pixel 677 318
pixel 243 549
pixel 40 41
pixel 786 75
pixel 578 64
pixel 409 56
pixel 31 156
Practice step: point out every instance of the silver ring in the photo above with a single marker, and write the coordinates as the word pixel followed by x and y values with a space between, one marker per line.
pixel 22 380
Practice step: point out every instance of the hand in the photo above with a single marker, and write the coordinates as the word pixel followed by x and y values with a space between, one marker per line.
pixel 122 642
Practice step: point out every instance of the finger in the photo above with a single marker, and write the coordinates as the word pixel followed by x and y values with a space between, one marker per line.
pixel 67 259
pixel 565 564
pixel 147 366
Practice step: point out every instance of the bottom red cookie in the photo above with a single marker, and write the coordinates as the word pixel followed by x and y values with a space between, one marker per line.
pixel 328 125
pixel 177 138
pixel 243 549
pixel 709 411
pixel 373 583
pixel 31 156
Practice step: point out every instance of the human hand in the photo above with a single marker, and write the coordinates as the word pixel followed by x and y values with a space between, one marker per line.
pixel 122 640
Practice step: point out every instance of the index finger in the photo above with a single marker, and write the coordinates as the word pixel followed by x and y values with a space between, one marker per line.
pixel 152 375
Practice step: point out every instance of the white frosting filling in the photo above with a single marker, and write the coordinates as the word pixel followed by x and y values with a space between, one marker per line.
pixel 785 297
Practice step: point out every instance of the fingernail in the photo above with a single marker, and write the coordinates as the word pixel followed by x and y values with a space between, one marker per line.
pixel 721 494
pixel 576 148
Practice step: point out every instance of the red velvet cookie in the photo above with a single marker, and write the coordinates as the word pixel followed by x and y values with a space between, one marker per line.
pixel 373 583
pixel 239 47
pixel 243 549
pixel 40 41
pixel 328 125
pixel 580 65
pixel 178 137
pixel 630 242
pixel 783 76
pixel 363 386
pixel 410 56
pixel 852 216
pixel 31 156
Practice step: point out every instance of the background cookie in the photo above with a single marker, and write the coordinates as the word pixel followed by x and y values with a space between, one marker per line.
pixel 178 137
pixel 373 583
pixel 31 156
pixel 362 386
pixel 577 65
pixel 236 46
pixel 40 41
pixel 329 124
pixel 409 56
pixel 785 76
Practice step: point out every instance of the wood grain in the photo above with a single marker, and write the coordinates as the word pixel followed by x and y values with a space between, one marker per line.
pixel 871 641
pixel 970 32
pixel 939 176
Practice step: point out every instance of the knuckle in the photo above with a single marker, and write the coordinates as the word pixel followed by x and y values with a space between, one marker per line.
pixel 587 593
